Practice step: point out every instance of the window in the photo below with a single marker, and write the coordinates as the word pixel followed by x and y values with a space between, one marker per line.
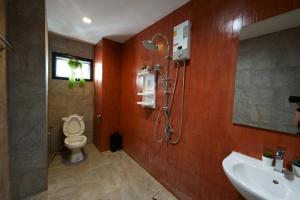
pixel 61 69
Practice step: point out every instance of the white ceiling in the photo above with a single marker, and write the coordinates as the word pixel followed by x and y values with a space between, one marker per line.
pixel 117 20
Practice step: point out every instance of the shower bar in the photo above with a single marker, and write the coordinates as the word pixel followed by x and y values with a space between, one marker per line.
pixel 5 44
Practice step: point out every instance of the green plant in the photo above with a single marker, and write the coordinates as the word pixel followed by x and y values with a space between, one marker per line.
pixel 81 81
pixel 75 64
pixel 268 154
pixel 296 163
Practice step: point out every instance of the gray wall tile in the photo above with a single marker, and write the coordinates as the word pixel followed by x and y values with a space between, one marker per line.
pixel 27 96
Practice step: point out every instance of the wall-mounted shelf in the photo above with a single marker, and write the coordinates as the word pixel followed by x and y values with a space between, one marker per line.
pixel 146 93
pixel 145 104
pixel 147 85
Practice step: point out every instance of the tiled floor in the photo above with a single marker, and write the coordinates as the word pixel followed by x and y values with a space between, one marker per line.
pixel 103 176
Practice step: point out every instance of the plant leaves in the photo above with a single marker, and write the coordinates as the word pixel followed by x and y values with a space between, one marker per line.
pixel 74 64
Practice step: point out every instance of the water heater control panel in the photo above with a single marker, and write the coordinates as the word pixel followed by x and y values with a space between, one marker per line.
pixel 182 41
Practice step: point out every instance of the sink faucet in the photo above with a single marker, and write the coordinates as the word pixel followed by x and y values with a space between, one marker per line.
pixel 279 160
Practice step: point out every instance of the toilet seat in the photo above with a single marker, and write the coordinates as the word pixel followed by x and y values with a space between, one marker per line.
pixel 75 141
pixel 73 129
pixel 73 125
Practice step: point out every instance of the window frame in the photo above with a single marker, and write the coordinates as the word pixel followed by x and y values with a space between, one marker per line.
pixel 55 55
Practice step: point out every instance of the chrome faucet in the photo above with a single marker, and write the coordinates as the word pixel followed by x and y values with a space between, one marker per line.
pixel 279 160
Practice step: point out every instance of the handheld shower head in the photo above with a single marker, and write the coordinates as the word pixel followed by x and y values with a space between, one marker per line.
pixel 150 45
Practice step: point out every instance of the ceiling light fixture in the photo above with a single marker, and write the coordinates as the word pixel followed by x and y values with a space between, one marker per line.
pixel 86 20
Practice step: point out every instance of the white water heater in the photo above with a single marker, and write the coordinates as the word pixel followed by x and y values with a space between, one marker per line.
pixel 182 41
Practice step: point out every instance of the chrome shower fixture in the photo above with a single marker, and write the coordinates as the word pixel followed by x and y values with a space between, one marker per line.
pixel 150 45
pixel 166 108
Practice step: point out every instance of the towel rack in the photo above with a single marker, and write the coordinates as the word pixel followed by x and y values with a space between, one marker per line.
pixel 5 44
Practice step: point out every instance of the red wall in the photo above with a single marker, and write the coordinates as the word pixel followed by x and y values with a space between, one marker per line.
pixel 193 168
pixel 107 95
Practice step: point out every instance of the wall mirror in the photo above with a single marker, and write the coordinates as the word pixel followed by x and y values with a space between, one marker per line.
pixel 268 74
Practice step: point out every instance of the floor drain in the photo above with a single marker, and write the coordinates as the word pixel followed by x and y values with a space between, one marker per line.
pixel 275 182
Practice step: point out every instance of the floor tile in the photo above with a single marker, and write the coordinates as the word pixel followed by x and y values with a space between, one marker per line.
pixel 102 176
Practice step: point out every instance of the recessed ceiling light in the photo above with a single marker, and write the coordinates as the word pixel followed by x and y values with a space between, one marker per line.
pixel 86 20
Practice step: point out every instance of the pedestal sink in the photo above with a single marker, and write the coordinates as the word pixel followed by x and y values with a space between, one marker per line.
pixel 255 181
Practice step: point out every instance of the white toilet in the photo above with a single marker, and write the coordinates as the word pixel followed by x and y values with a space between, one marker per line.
pixel 75 140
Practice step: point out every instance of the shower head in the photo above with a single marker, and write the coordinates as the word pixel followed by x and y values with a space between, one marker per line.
pixel 150 45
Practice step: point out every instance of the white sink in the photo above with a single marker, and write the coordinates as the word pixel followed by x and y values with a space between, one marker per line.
pixel 256 181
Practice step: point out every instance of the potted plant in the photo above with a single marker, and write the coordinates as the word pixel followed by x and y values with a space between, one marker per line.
pixel 267 158
pixel 75 64
pixel 296 167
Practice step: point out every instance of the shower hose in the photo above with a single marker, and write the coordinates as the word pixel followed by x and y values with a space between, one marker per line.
pixel 164 137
